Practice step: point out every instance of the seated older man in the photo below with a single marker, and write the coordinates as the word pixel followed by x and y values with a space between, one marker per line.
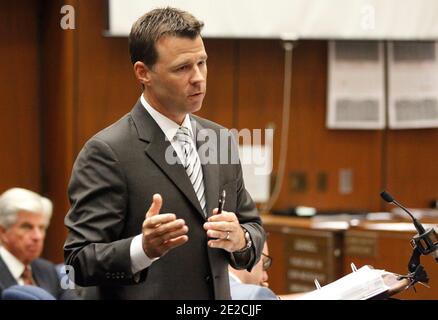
pixel 24 218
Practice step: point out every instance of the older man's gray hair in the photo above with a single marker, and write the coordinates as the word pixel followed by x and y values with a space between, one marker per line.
pixel 15 200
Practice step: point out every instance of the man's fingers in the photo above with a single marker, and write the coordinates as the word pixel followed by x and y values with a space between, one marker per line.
pixel 176 242
pixel 220 243
pixel 218 234
pixel 156 247
pixel 224 216
pixel 155 221
pixel 219 226
pixel 174 234
pixel 155 207
pixel 168 228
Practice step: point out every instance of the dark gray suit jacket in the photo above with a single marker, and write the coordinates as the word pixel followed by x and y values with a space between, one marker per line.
pixel 45 275
pixel 111 187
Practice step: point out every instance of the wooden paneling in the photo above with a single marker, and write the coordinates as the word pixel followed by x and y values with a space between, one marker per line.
pixel 260 87
pixel 411 166
pixel 219 103
pixel 19 97
pixel 312 148
pixel 301 253
pixel 278 271
pixel 391 251
pixel 107 88
pixel 58 67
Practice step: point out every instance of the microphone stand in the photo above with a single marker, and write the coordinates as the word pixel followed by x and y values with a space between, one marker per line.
pixel 417 273
pixel 421 244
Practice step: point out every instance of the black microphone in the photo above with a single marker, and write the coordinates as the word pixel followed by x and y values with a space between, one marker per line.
pixel 426 240
pixel 388 198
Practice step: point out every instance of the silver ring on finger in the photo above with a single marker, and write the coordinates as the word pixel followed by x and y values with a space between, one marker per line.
pixel 228 235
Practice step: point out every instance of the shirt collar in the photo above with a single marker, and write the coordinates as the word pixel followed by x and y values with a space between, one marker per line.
pixel 15 266
pixel 169 127
pixel 236 278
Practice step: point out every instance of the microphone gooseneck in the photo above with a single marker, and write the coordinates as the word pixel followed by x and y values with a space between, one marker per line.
pixel 390 199
pixel 427 240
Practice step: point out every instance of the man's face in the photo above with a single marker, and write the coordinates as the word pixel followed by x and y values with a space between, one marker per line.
pixel 177 81
pixel 258 274
pixel 263 274
pixel 25 238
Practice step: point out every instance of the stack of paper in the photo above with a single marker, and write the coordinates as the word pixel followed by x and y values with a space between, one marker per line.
pixel 361 284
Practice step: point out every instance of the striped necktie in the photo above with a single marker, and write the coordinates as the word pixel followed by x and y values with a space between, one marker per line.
pixel 192 164
pixel 27 276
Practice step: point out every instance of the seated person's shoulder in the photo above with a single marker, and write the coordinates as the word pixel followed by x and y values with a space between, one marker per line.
pixel 242 291
pixel 43 263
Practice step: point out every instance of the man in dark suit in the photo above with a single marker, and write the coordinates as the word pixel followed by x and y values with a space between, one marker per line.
pixel 159 151
pixel 24 217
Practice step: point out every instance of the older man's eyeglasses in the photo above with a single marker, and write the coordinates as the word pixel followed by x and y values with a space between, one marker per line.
pixel 267 261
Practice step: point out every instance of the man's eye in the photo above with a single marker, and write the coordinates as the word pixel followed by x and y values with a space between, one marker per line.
pixel 182 68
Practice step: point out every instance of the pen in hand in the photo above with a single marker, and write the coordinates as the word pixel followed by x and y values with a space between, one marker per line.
pixel 220 207
pixel 221 202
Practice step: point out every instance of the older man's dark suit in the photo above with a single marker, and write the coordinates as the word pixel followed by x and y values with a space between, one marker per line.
pixel 113 180
pixel 45 275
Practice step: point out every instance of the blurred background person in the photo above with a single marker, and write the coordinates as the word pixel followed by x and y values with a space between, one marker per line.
pixel 254 285
pixel 24 218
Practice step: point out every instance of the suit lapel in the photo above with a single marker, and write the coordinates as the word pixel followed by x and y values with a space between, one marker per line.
pixel 149 131
pixel 6 278
pixel 210 170
pixel 41 276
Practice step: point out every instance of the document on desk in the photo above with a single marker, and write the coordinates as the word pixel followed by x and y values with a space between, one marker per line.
pixel 361 284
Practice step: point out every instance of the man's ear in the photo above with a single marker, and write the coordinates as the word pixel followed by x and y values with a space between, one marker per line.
pixel 2 234
pixel 142 73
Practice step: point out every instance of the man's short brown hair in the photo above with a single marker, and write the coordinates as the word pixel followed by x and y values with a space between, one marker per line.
pixel 155 24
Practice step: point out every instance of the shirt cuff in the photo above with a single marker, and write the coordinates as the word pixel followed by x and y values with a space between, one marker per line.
pixel 139 259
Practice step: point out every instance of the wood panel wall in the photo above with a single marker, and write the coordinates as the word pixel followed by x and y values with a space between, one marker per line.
pixel 411 166
pixel 312 148
pixel 59 118
pixel 20 143
pixel 107 88
pixel 62 87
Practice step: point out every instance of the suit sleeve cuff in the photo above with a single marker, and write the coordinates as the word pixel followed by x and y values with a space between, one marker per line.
pixel 139 259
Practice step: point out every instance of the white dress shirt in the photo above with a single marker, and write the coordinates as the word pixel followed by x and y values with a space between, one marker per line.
pixel 15 266
pixel 139 259
pixel 233 276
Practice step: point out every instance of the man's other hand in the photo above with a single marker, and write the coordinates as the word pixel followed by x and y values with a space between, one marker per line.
pixel 226 231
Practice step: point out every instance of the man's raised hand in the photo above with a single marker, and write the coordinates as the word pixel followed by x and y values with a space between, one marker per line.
pixel 162 232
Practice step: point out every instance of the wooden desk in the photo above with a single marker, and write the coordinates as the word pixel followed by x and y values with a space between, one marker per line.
pixel 302 252
pixel 387 246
